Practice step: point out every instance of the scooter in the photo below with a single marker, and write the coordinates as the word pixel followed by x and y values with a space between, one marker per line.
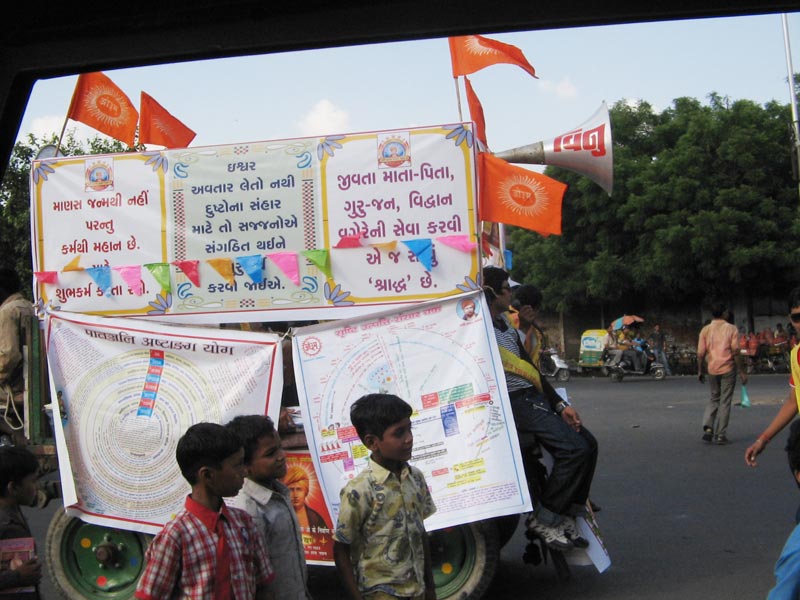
pixel 624 367
pixel 552 365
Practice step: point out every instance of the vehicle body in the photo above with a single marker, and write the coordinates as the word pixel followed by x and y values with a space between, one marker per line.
pixel 591 357
pixel 552 365
pixel 625 368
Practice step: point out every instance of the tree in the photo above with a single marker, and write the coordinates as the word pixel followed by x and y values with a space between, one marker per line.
pixel 15 228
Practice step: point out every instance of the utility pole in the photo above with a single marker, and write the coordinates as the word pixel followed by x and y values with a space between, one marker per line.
pixel 792 94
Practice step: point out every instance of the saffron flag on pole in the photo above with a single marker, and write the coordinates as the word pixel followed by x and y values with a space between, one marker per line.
pixel 100 104
pixel 470 53
pixel 476 113
pixel 517 196
pixel 158 126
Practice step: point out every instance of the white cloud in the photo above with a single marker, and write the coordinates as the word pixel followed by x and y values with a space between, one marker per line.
pixel 323 118
pixel 562 89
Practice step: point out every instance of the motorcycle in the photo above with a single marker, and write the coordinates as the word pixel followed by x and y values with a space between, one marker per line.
pixel 626 366
pixel 552 365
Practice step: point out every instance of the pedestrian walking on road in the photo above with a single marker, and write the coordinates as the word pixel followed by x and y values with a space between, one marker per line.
pixel 659 341
pixel 718 355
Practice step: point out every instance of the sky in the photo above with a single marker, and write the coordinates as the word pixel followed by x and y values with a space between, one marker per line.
pixel 409 84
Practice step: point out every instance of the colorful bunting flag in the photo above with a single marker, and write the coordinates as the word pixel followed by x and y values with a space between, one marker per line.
pixel 423 250
pixel 287 263
pixel 517 196
pixel 320 258
pixel 100 104
pixel 472 53
pixel 459 242
pixel 74 264
pixel 476 113
pixel 160 272
pixel 132 275
pixel 190 268
pixel 349 241
pixel 102 277
pixel 158 126
pixel 253 266
pixel 46 276
pixel 223 266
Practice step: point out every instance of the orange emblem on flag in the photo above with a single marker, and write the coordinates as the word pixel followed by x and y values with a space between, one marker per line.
pixel 517 196
pixel 100 104
pixel 470 53
pixel 158 126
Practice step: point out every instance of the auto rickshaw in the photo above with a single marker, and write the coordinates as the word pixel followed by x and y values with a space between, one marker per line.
pixel 590 357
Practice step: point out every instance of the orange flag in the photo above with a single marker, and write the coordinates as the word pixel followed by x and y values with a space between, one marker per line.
pixel 100 104
pixel 517 196
pixel 470 53
pixel 476 112
pixel 157 126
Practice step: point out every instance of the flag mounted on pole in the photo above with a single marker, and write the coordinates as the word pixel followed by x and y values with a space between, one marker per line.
pixel 470 53
pixel 476 114
pixel 100 104
pixel 517 196
pixel 158 126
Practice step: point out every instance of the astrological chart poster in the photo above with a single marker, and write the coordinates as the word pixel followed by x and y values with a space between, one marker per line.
pixel 441 358
pixel 129 389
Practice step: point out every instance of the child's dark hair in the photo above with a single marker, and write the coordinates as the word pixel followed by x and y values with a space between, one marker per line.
pixel 205 445
pixel 15 465
pixel 250 429
pixel 793 448
pixel 375 413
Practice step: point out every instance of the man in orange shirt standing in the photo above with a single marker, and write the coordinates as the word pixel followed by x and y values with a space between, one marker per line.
pixel 719 346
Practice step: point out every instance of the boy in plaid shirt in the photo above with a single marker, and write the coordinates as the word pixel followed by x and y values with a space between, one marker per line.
pixel 208 551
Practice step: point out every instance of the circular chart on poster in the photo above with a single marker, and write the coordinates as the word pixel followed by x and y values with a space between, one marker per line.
pixel 124 457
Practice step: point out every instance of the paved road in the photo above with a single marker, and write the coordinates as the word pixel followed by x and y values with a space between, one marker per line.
pixel 681 519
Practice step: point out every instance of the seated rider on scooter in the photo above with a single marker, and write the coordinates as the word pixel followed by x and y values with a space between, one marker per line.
pixel 539 410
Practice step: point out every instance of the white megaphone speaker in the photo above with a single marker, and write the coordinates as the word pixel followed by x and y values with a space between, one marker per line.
pixel 585 149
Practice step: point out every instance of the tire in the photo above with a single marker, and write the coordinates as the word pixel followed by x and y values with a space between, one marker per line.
pixel 70 549
pixel 616 376
pixel 465 559
pixel 562 375
pixel 659 373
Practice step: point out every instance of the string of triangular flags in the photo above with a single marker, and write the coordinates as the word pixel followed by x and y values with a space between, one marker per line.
pixel 252 265
pixel 536 203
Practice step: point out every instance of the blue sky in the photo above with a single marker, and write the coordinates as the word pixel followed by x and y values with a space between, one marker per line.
pixel 400 85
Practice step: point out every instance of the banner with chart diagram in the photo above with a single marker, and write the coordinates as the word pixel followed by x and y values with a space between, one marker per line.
pixel 441 358
pixel 128 389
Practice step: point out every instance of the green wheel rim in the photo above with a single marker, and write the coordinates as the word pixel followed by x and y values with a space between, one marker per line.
pixel 85 572
pixel 453 558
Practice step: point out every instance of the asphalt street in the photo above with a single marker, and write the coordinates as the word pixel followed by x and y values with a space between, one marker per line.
pixel 680 518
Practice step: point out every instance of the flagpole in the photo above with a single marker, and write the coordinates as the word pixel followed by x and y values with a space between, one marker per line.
pixel 63 129
pixel 458 97
pixel 792 94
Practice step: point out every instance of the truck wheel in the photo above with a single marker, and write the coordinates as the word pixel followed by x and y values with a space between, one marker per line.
pixel 562 375
pixel 91 561
pixel 464 560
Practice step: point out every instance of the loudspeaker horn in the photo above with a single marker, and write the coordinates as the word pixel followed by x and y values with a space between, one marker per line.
pixel 586 150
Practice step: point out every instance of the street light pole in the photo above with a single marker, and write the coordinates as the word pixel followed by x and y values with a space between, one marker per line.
pixel 792 94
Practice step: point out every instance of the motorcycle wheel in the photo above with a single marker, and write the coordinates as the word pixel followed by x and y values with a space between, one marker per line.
pixel 616 376
pixel 562 375
pixel 659 373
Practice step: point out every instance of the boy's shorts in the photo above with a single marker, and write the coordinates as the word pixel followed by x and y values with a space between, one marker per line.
pixel 385 596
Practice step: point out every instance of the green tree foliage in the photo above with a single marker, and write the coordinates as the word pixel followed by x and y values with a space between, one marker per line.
pixel 704 206
pixel 15 228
